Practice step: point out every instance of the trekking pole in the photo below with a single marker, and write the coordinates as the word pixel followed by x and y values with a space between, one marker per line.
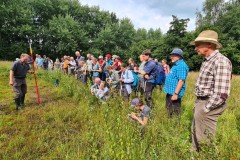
pixel 144 85
pixel 120 88
pixel 34 73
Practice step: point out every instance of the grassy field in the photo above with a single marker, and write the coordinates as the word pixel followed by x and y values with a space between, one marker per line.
pixel 72 124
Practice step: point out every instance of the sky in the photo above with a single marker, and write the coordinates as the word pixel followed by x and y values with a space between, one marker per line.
pixel 151 13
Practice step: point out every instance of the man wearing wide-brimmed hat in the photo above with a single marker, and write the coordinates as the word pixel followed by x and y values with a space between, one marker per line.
pixel 212 88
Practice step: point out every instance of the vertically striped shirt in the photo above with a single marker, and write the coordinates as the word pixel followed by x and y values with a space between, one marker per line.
pixel 214 80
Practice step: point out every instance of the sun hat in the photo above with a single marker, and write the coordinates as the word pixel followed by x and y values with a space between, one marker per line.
pixel 177 51
pixel 114 56
pixel 208 36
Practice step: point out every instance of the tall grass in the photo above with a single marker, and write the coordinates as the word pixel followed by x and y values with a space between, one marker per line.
pixel 73 124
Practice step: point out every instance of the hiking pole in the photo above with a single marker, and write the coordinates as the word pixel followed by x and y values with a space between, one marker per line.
pixel 144 85
pixel 34 73
pixel 120 88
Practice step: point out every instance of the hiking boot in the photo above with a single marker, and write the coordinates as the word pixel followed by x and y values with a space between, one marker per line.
pixel 22 98
pixel 17 102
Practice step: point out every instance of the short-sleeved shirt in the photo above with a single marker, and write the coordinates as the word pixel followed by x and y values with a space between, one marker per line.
pixel 102 92
pixel 96 67
pixel 179 71
pixel 145 112
pixel 89 64
pixel 141 68
pixel 20 69
pixel 149 68
pixel 39 61
pixel 107 63
pixel 114 76
pixel 72 64
pixel 65 64
pixel 94 88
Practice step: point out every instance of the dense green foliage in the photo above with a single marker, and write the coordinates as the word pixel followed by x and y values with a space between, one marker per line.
pixel 72 124
pixel 59 27
pixel 223 17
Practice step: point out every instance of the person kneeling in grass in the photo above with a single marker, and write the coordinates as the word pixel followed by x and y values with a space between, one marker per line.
pixel 102 92
pixel 143 116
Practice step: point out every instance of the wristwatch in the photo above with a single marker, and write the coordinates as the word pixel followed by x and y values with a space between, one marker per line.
pixel 176 93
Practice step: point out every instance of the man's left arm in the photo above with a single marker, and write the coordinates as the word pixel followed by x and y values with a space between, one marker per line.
pixel 177 90
pixel 221 88
pixel 147 70
pixel 181 74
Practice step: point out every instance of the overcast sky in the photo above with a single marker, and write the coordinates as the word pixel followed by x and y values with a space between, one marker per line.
pixel 150 13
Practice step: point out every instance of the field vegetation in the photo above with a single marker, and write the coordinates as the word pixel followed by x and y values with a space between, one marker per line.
pixel 70 123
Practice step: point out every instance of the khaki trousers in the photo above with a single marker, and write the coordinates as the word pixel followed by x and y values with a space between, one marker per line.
pixel 204 124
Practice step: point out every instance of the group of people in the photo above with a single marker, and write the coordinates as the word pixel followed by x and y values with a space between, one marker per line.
pixel 45 63
pixel 110 76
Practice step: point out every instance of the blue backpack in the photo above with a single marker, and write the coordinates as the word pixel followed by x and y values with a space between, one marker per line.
pixel 159 74
pixel 135 77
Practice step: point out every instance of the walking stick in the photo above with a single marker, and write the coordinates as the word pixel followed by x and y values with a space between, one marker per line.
pixel 34 73
pixel 144 85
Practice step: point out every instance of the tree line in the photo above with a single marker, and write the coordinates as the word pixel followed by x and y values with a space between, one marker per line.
pixel 60 27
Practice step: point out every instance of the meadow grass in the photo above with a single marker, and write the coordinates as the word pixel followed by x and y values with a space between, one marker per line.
pixel 70 123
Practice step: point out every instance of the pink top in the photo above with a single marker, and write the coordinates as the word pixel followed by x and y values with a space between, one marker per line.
pixel 166 68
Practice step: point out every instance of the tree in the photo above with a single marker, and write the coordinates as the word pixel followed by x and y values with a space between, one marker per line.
pixel 177 30
pixel 63 36
pixel 15 23
pixel 141 34
pixel 211 12
pixel 154 34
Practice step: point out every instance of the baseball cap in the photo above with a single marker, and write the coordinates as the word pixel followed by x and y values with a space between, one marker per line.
pixel 135 102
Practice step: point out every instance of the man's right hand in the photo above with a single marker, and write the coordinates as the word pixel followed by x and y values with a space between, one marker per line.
pixel 146 76
pixel 11 82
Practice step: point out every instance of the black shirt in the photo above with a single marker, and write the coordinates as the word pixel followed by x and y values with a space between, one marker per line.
pixel 20 69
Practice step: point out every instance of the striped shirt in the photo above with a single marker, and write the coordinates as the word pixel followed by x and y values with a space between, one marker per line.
pixel 214 80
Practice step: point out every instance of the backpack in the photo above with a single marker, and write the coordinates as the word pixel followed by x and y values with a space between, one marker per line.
pixel 159 74
pixel 135 78
pixel 45 62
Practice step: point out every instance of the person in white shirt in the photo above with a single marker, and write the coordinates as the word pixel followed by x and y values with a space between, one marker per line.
pixel 126 81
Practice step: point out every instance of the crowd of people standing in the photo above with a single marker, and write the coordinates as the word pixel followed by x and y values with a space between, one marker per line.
pixel 110 76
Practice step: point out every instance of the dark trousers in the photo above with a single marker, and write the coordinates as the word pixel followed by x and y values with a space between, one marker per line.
pixel 19 87
pixel 104 76
pixel 83 78
pixel 148 89
pixel 173 106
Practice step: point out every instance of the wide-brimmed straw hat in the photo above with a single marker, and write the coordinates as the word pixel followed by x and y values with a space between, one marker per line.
pixel 208 36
